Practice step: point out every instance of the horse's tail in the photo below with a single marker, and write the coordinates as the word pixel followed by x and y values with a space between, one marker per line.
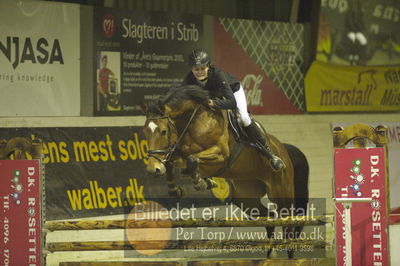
pixel 301 172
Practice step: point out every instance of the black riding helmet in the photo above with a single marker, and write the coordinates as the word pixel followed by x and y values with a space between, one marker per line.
pixel 199 57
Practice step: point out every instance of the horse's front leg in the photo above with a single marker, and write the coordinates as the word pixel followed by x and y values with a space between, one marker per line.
pixel 173 189
pixel 209 156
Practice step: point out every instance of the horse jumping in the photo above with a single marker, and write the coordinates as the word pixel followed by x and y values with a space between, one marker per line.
pixel 183 132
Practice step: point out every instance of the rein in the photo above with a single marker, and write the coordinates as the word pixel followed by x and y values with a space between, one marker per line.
pixel 169 151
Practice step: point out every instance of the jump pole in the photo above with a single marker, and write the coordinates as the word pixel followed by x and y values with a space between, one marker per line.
pixel 347 204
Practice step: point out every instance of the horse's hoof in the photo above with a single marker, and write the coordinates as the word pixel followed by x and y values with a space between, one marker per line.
pixel 177 192
pixel 200 185
pixel 211 183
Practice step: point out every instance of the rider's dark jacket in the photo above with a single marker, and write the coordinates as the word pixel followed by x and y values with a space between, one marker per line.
pixel 221 86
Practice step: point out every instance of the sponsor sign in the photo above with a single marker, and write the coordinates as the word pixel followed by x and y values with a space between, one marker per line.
pixel 361 173
pixel 20 208
pixel 139 55
pixel 97 171
pixel 357 89
pixel 39 59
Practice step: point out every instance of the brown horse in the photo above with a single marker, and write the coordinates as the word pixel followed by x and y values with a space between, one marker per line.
pixel 183 132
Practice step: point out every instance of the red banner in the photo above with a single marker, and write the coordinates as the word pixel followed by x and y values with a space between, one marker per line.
pixel 263 96
pixel 20 222
pixel 361 173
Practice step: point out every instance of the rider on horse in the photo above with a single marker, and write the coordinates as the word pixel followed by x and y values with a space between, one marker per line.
pixel 227 93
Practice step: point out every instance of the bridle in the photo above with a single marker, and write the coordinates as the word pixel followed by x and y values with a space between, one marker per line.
pixel 169 150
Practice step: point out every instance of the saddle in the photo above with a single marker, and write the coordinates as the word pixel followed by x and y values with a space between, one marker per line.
pixel 243 139
pixel 239 132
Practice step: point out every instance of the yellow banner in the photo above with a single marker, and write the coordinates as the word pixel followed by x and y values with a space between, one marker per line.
pixel 334 88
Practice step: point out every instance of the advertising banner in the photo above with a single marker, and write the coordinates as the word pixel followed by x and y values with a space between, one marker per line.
pixel 139 55
pixel 361 173
pixel 270 73
pixel 39 59
pixel 334 88
pixel 358 32
pixel 97 171
pixel 21 212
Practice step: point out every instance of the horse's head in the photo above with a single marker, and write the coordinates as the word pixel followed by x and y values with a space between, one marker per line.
pixel 164 117
pixel 161 135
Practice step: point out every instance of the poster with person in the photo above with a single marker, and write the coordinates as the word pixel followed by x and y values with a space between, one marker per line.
pixel 139 56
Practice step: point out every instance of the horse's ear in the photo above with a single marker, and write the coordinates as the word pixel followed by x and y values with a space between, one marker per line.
pixel 144 107
pixel 168 110
pixel 161 107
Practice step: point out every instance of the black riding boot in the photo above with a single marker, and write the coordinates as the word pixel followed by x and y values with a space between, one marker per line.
pixel 256 134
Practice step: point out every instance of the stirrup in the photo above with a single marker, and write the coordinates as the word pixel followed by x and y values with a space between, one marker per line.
pixel 277 163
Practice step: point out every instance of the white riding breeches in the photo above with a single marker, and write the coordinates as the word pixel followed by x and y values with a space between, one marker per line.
pixel 241 104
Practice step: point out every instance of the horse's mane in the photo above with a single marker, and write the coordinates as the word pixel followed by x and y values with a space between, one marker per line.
pixel 176 95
